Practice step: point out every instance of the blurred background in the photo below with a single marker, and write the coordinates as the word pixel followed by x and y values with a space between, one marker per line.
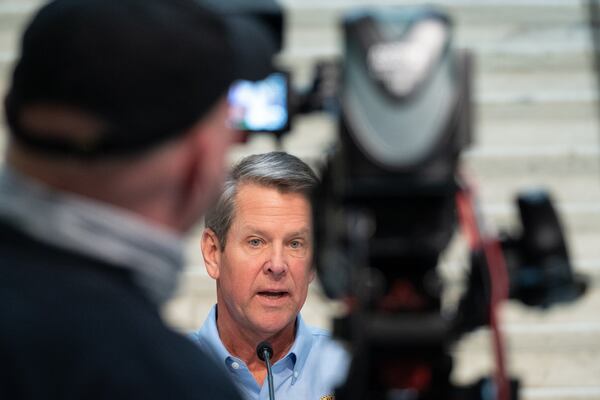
pixel 536 125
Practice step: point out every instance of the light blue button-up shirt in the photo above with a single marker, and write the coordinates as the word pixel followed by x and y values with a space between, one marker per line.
pixel 313 367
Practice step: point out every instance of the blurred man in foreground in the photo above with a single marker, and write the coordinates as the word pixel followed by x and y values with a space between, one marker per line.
pixel 117 115
pixel 258 248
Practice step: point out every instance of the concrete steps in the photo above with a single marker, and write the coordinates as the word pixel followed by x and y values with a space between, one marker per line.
pixel 556 349
pixel 536 125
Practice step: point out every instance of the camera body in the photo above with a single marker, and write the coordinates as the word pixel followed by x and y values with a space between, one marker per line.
pixel 400 142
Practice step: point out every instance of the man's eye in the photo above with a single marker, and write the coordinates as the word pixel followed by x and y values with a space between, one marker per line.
pixel 254 242
pixel 296 244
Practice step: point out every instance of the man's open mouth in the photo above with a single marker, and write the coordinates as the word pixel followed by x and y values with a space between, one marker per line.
pixel 273 295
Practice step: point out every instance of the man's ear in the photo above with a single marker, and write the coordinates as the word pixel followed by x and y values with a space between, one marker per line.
pixel 211 251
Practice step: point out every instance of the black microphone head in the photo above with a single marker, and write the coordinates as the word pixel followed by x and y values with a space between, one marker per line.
pixel 262 347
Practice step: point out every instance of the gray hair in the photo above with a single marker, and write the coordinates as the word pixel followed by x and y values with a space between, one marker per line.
pixel 278 170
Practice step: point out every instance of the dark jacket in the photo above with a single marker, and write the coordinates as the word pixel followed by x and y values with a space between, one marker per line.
pixel 72 327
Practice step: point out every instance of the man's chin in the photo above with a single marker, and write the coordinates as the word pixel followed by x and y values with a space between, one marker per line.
pixel 271 327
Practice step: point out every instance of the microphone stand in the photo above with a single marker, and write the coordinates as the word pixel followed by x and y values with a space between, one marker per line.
pixel 265 352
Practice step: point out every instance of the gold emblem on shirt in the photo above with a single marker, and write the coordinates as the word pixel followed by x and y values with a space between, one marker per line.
pixel 328 397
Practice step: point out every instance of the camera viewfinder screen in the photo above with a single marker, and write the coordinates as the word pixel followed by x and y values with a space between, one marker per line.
pixel 260 106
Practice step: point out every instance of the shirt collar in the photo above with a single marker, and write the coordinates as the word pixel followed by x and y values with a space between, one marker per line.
pixel 153 255
pixel 301 347
pixel 208 335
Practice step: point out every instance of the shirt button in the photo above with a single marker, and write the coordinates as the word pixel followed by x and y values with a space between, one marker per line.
pixel 235 365
pixel 295 374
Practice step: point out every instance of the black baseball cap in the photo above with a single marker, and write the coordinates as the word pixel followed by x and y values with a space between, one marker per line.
pixel 148 69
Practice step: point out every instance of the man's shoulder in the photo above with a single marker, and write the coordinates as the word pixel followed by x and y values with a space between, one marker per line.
pixel 171 366
pixel 326 350
pixel 326 363
pixel 323 340
pixel 63 321
pixel 120 345
pixel 319 332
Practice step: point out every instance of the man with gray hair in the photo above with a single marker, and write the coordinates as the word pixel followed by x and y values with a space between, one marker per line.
pixel 257 245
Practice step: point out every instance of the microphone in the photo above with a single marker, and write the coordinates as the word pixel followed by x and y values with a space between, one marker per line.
pixel 265 352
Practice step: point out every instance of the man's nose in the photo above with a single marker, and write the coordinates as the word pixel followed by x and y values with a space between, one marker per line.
pixel 276 264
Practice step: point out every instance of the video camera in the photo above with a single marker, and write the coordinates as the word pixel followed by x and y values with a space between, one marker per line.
pixel 392 197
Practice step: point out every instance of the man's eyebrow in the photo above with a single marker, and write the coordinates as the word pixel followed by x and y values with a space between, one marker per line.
pixel 251 230
pixel 301 232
